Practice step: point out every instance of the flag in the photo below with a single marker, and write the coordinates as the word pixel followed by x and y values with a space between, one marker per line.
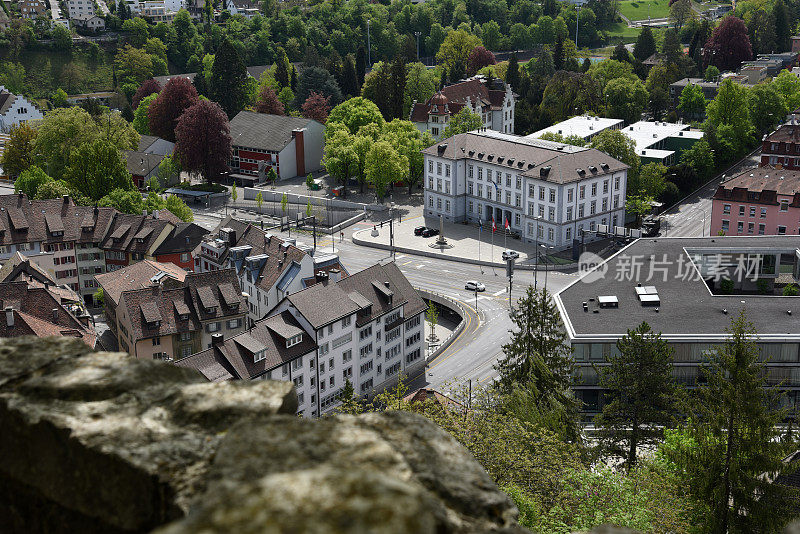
pixel 496 187
pixel 494 226
pixel 480 224
pixel 507 225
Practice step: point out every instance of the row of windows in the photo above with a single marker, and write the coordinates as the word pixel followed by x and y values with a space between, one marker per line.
pixel 439 204
pixel 726 209
pixel 439 168
pixel 762 228
pixel 413 339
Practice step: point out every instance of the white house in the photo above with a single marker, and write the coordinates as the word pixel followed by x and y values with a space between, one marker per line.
pixel 79 8
pixel 549 192
pixel 15 109
pixel 366 329
pixel 494 105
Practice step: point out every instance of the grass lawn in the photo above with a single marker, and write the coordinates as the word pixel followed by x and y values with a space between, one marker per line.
pixel 620 32
pixel 638 10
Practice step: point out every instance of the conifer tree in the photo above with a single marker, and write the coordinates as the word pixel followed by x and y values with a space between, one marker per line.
pixel 641 396
pixel 512 73
pixel 229 79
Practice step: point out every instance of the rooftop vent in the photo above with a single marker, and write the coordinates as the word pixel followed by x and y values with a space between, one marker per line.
pixel 500 159
pixel 544 171
pixel 490 157
pixel 648 295
pixel 604 166
pixel 471 153
pixel 441 148
pixel 481 154
pixel 581 172
pixel 608 301
pixel 510 162
pixel 520 164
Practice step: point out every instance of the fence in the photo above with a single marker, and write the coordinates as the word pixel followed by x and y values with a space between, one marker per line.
pixel 275 196
pixel 326 216
pixel 450 304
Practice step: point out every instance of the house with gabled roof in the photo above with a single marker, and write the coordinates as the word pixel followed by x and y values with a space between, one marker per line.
pixel 494 102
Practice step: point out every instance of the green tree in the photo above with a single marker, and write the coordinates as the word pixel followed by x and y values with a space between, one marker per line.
pixel 340 159
pixel 641 394
pixel 20 149
pixel 699 157
pixel 134 65
pixel 353 114
pixel 645 44
pixel 272 176
pixel 610 69
pixel 712 73
pixel 538 356
pixel 30 180
pixel 680 11
pixel 455 50
pixel 140 118
pixel 59 98
pixel 284 202
pixel 124 200
pixel 309 209
pixel 384 165
pixel 692 102
pixel 168 171
pixel 626 99
pixel 639 205
pixel 734 434
pixel 619 146
pixel 97 168
pixel 228 82
pixel 728 120
pixel 259 201
pixel 766 106
pixel 62 38
pixel 234 193
pixel 788 85
pixel 462 122
pixel 671 47
pixel 179 208
pixel 421 83
pixel 650 181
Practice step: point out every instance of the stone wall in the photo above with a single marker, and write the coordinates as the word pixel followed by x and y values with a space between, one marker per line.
pixel 98 442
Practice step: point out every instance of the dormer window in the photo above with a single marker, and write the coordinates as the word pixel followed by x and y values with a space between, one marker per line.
pixel 294 340
pixel 260 355
pixel 212 310
pixel 184 317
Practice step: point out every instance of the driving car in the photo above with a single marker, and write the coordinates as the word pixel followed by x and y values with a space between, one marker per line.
pixel 419 229
pixel 474 285
pixel 429 232
pixel 509 254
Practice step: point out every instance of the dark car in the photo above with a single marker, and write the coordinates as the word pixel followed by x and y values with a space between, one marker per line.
pixel 419 229
pixel 430 232
pixel 651 227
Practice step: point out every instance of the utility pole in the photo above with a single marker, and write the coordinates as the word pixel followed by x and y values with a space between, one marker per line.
pixel 314 230
pixel 510 274
pixel 577 17
pixel 417 34
pixel 369 52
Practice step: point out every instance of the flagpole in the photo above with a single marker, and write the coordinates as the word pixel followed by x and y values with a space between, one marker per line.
pixel 479 241
pixel 492 255
pixel 505 234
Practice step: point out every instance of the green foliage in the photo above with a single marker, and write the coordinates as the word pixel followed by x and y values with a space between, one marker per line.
pixel 650 181
pixel 711 74
pixel 30 180
pixel 59 98
pixel 641 395
pixel 125 201
pixel 790 290
pixel 619 146
pixel 640 206
pixel 353 114
pixel 699 157
pixel 99 297
pixel 384 165
pixel 454 51
pixel 625 99
pixel 20 151
pixel 575 140
pixel 462 122
pixel 179 208
pixel 732 431
pixel 97 168
pixel 692 101
pixel 767 107
pixel 728 121
pixel 259 200
pixel 140 118
pixel 228 83
pixel 284 202
pixel 234 193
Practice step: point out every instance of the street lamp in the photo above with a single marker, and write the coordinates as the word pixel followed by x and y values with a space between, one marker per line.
pixel 417 34
pixel 577 17
pixel 546 248
pixel 369 51
pixel 536 255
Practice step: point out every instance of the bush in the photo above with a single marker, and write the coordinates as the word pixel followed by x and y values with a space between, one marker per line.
pixel 791 290
pixel 764 286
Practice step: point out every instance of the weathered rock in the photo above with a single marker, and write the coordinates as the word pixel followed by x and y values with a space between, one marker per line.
pixel 99 442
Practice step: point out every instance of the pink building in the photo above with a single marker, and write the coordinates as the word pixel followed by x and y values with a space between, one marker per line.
pixel 782 147
pixel 762 201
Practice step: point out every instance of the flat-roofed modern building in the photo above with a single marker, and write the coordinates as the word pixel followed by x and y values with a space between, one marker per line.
pixel 549 192
pixel 583 126
pixel 661 142
pixel 677 286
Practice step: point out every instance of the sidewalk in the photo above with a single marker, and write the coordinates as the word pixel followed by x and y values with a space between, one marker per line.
pixel 464 241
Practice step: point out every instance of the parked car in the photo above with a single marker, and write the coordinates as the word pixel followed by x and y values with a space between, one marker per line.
pixel 474 285
pixel 419 229
pixel 429 232
pixel 510 254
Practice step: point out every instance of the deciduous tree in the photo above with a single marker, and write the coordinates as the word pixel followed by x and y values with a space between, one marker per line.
pixel 268 101
pixel 134 65
pixel 316 107
pixel 177 96
pixel 20 149
pixel 204 140
pixel 619 146
pixel 626 99
pixel 767 107
pixel 455 50
pixel 149 87
pixel 29 181
pixel 692 102
pixel 420 85
pixel 728 120
pixel 97 168
pixel 462 122
pixel 141 117
pixel 355 113
pixel 479 57
pixel 320 81
pixel 383 166
pixel 728 45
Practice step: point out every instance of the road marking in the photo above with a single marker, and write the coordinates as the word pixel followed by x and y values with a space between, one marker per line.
pixel 499 292
pixel 400 256
pixel 420 266
pixel 406 263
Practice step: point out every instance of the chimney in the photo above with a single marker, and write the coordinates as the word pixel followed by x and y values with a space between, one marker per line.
pixel 334 275
pixel 187 239
pixel 9 316
pixel 96 211
pixel 299 151
pixel 65 198
pixel 216 340
pixel 55 315
pixel 144 212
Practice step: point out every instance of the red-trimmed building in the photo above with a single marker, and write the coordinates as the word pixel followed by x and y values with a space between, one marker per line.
pixel 292 146
pixel 782 147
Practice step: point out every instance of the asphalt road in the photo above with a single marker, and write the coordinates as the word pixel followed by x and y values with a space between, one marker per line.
pixel 692 217
pixel 479 346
